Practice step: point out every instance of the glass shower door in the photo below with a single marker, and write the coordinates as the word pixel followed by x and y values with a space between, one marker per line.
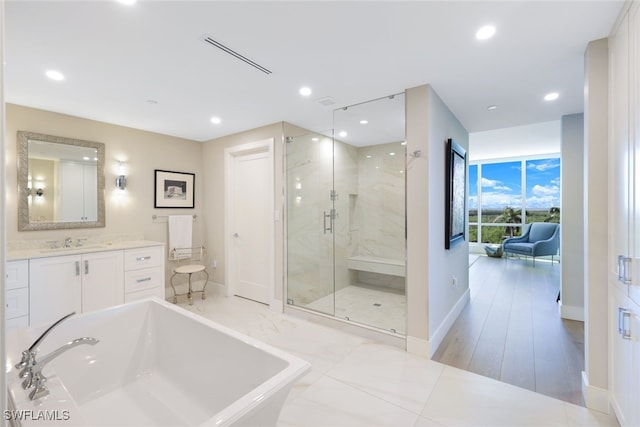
pixel 311 218
pixel 370 243
pixel 346 243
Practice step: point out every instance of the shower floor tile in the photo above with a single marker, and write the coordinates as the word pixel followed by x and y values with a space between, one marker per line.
pixel 380 308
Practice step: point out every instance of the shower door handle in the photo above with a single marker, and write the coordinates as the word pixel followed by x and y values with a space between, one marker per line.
pixel 331 215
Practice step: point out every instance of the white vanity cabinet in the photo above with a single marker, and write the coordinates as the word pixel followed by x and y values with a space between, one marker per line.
pixel 17 294
pixel 81 283
pixel 144 273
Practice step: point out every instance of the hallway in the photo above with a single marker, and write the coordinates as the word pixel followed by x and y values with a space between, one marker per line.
pixel 512 331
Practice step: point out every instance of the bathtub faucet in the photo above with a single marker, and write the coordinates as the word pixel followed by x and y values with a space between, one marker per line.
pixel 36 379
pixel 29 355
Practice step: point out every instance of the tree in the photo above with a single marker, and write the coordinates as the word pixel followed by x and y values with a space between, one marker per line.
pixel 554 215
pixel 510 216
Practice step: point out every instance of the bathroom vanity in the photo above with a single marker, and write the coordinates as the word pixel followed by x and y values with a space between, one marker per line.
pixel 45 284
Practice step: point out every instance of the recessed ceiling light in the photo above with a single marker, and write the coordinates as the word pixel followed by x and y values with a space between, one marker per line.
pixel 85 158
pixel 492 107
pixel 392 154
pixel 55 75
pixel 368 156
pixel 486 32
pixel 216 120
pixel 315 138
pixel 305 91
pixel 127 2
pixel 364 122
pixel 551 96
pixel 342 134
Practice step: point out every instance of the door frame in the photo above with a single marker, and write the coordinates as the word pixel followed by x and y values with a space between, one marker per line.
pixel 230 153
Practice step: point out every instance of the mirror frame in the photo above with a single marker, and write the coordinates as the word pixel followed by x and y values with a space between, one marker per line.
pixel 23 174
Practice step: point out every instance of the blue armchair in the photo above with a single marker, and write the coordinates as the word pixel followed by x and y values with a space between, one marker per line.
pixel 540 239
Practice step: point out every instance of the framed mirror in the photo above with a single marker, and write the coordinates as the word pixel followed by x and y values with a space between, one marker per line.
pixel 60 183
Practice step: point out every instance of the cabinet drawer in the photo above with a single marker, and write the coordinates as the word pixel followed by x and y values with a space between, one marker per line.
pixel 17 303
pixel 17 323
pixel 143 258
pixel 147 293
pixel 17 273
pixel 138 280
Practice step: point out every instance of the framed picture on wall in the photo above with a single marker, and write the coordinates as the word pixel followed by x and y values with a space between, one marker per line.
pixel 456 194
pixel 174 189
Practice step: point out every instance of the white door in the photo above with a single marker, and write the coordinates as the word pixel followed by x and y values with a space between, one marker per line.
pixel 250 225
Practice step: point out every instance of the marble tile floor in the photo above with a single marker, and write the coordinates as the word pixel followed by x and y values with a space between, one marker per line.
pixel 368 305
pixel 355 381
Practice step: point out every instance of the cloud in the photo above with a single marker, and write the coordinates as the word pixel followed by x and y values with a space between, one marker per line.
pixel 495 184
pixel 542 191
pixel 486 182
pixel 495 200
pixel 545 165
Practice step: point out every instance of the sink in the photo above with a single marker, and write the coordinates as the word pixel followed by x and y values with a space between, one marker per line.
pixel 156 364
pixel 73 248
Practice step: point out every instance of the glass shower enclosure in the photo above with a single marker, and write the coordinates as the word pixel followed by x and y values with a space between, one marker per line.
pixel 346 234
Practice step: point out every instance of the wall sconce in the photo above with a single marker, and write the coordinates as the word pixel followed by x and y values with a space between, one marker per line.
pixel 121 181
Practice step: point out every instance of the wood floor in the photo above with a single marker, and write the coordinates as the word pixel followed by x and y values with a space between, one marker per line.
pixel 512 331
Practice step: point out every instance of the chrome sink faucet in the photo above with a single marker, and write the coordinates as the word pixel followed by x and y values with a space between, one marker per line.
pixel 31 370
pixel 68 242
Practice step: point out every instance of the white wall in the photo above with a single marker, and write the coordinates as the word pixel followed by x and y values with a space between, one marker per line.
pixel 595 211
pixel 214 209
pixel 530 140
pixel 126 212
pixel 431 297
pixel 3 210
pixel 571 217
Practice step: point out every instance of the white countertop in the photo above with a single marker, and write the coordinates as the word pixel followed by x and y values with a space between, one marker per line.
pixel 18 254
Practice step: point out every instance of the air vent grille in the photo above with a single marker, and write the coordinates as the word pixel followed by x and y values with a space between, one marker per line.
pixel 213 42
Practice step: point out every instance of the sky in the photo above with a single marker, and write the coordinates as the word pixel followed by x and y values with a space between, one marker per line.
pixel 501 184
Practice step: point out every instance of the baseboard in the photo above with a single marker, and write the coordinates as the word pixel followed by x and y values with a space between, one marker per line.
pixel 594 397
pixel 438 336
pixel 571 312
pixel 417 346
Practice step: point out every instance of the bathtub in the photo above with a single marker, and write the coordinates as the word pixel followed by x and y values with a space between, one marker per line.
pixel 156 364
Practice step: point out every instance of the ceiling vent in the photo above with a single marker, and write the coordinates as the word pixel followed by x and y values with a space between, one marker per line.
pixel 213 42
pixel 326 101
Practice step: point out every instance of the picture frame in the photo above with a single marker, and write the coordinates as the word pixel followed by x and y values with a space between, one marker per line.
pixel 455 195
pixel 174 189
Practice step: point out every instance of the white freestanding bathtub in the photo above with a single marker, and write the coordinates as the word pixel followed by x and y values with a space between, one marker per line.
pixel 156 364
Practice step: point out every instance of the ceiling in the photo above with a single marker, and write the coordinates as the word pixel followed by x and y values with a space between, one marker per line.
pixel 146 66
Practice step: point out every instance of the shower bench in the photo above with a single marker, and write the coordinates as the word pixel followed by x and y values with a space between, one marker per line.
pixel 392 267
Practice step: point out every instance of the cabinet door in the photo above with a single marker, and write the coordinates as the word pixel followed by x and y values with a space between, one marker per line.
pixel 71 191
pixel 54 288
pixel 634 289
pixel 620 354
pixel 17 274
pixel 102 280
pixel 620 158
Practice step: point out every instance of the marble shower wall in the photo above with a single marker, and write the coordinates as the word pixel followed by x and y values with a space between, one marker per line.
pixel 369 183
pixel 379 204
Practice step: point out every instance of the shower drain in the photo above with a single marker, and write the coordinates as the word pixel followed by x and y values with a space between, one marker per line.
pixel 377 304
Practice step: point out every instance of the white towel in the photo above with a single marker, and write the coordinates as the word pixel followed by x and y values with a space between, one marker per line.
pixel 180 227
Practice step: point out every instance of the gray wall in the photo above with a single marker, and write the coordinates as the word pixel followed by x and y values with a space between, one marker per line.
pixel 572 224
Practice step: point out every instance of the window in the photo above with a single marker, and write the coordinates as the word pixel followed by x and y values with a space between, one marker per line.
pixel 503 196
